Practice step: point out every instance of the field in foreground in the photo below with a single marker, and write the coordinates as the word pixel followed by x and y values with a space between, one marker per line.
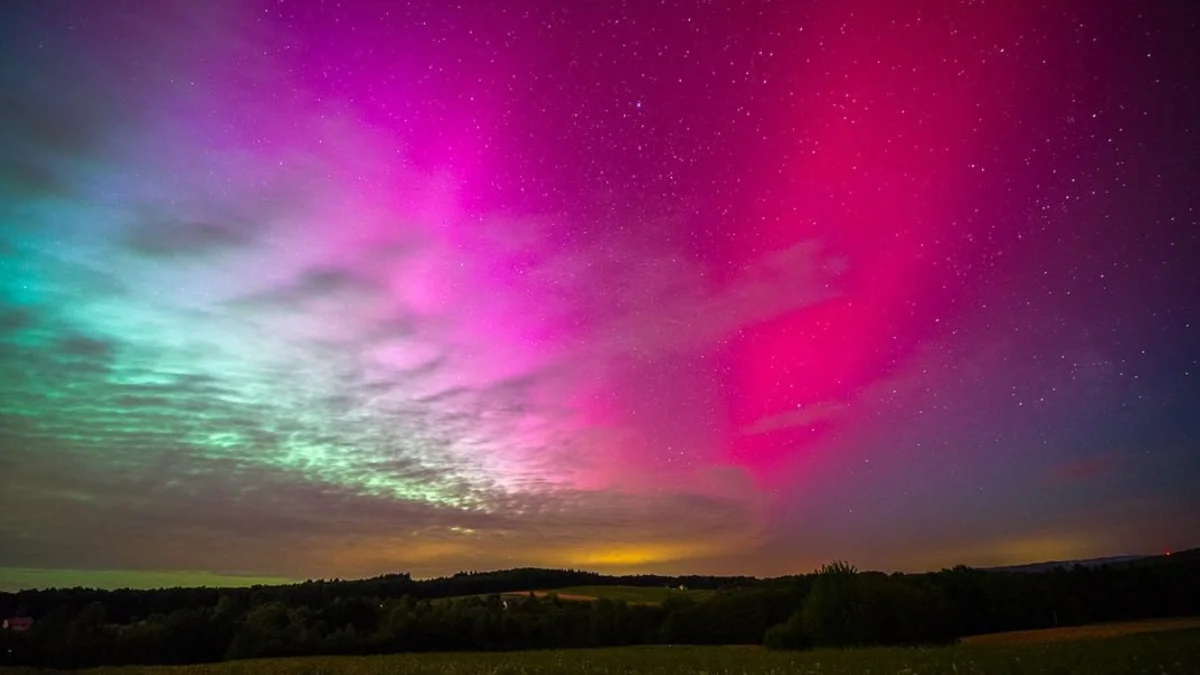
pixel 1166 653
pixel 1088 632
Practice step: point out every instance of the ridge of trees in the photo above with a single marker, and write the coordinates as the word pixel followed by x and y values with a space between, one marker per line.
pixel 834 606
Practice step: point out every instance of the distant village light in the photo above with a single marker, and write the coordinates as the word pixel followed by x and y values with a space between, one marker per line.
pixel 17 624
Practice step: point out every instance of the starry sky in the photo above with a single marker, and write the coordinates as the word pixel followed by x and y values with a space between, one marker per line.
pixel 297 288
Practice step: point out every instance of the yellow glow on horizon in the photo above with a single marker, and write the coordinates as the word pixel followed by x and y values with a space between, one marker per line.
pixel 638 554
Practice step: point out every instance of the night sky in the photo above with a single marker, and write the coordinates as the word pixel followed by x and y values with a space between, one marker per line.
pixel 297 289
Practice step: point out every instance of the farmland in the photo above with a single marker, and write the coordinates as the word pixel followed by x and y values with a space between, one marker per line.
pixel 1085 632
pixel 650 595
pixel 1163 653
pixel 634 595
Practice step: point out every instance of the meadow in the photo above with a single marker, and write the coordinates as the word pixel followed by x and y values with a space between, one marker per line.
pixel 1158 653
pixel 633 595
pixel 648 595
pixel 1085 632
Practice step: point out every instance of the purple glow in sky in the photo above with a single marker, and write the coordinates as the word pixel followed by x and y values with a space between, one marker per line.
pixel 300 289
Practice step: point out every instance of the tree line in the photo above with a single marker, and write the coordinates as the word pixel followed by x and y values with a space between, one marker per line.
pixel 834 606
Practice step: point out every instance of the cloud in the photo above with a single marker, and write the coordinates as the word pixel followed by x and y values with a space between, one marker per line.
pixel 86 347
pixel 185 238
pixel 307 359
pixel 15 319
pixel 805 416
pixel 1083 469
pixel 229 518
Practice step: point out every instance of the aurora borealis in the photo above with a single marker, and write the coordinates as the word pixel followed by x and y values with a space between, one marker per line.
pixel 316 289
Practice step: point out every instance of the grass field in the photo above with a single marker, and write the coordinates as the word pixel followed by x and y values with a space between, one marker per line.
pixel 647 595
pixel 1162 653
pixel 631 594
pixel 1088 632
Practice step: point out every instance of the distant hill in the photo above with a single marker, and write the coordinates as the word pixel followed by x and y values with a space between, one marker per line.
pixel 1187 555
pixel 1111 561
pixel 316 592
pixel 635 595
pixel 518 580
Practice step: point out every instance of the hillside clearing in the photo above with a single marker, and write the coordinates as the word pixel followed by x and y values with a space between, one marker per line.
pixel 649 595
pixel 634 595
pixel 1086 632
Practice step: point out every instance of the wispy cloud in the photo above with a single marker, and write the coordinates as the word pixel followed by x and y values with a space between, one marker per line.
pixel 249 376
